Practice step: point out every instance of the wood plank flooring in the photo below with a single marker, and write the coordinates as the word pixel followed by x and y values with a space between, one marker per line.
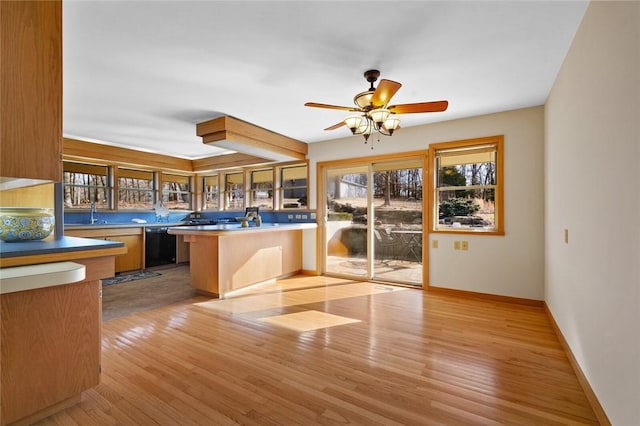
pixel 411 358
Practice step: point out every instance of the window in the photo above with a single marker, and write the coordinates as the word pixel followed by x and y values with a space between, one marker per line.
pixel 467 185
pixel 176 192
pixel 262 189
pixel 84 184
pixel 210 193
pixel 135 189
pixel 233 191
pixel 293 181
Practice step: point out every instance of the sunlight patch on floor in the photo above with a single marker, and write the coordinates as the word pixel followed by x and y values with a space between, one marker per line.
pixel 259 302
pixel 307 320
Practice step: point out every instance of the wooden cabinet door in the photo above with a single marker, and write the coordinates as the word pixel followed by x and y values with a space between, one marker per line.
pixel 31 87
pixel 50 346
pixel 133 259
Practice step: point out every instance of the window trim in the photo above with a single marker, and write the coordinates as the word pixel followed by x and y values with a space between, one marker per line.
pixel 86 168
pixel 118 172
pixel 251 191
pixel 498 140
pixel 203 201
pixel 280 188
pixel 161 190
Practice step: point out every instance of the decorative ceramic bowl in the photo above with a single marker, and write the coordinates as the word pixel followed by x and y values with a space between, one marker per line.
pixel 25 223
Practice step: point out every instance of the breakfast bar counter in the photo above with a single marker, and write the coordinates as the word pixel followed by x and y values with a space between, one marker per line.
pixel 227 257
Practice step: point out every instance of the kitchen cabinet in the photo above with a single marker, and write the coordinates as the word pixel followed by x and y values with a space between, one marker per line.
pixel 133 259
pixel 51 339
pixel 31 87
pixel 131 237
pixel 182 250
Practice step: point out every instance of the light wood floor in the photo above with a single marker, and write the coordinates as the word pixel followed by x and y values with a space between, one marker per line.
pixel 403 357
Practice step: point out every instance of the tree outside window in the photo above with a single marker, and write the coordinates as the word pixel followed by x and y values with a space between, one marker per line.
pixel 176 192
pixel 85 184
pixel 467 188
pixel 135 189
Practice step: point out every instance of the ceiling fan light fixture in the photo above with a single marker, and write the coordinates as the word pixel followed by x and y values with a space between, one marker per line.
pixel 353 122
pixel 376 116
pixel 379 115
pixel 363 99
pixel 391 124
pixel 365 128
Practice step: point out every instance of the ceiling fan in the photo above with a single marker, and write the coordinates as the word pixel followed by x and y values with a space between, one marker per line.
pixel 372 112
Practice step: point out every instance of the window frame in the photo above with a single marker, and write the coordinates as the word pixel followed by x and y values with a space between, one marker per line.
pixel 205 193
pixel 225 191
pixel 280 188
pixel 498 141
pixel 162 192
pixel 252 190
pixel 153 190
pixel 108 188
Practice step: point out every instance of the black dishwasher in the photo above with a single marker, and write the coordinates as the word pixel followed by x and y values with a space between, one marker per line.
pixel 160 246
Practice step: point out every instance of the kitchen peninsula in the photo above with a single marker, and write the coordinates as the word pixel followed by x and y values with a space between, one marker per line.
pixel 51 323
pixel 228 257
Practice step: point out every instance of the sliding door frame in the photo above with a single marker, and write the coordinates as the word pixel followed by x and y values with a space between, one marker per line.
pixel 321 203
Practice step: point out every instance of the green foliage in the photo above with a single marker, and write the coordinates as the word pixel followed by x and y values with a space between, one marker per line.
pixel 450 176
pixel 458 207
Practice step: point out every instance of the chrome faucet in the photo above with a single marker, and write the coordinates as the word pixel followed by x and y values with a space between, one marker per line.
pixel 92 212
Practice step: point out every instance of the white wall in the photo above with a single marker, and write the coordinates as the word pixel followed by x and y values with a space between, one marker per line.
pixel 510 265
pixel 592 188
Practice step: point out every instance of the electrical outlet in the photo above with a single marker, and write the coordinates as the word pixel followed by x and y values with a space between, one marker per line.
pixel 312 215
pixel 290 216
pixel 298 216
pixel 304 216
pixel 456 245
pixel 434 244
pixel 464 245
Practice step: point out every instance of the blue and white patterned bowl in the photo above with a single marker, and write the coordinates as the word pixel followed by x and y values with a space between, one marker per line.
pixel 25 223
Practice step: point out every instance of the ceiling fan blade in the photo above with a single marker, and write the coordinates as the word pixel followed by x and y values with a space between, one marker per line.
pixel 336 126
pixel 437 106
pixel 384 92
pixel 317 105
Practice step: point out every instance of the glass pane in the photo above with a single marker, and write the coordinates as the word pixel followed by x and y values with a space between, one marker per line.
pixel 176 192
pixel 262 189
pixel 135 189
pixel 294 187
pixel 397 239
pixel 176 200
pixel 134 199
pixel 85 183
pixel 234 191
pixel 210 193
pixel 346 228
pixel 467 175
pixel 461 209
pixel 465 188
pixel 80 197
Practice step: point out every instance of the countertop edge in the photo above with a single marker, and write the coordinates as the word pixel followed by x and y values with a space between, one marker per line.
pixel 55 250
pixel 237 230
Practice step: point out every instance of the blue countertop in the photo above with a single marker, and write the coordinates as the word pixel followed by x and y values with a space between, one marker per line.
pixel 54 245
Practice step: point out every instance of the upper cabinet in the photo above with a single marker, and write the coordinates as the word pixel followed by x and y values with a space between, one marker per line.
pixel 31 87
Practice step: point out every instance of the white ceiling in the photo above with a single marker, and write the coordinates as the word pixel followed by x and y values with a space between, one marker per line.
pixel 141 74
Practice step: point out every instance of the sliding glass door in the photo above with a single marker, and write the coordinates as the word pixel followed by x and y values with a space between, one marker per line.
pixel 397 227
pixel 373 220
pixel 347 205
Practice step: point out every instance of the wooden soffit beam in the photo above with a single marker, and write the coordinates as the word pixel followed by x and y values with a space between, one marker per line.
pixel 237 135
pixel 227 161
pixel 73 149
